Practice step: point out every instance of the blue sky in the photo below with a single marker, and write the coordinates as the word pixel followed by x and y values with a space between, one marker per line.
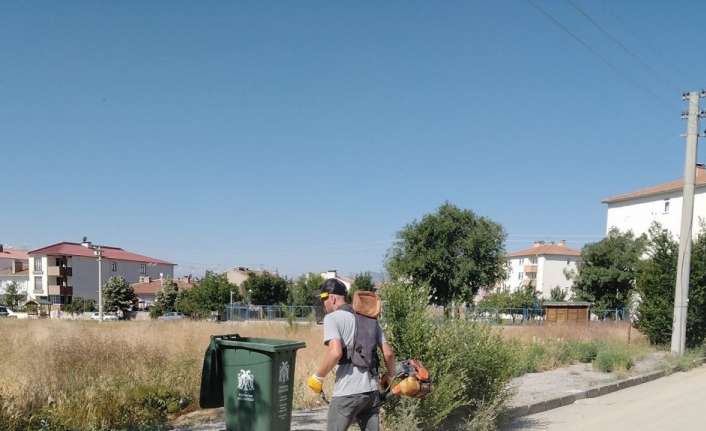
pixel 302 136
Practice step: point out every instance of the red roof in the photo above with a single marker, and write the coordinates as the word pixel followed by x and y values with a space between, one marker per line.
pixel 13 254
pixel 546 249
pixel 672 186
pixel 114 253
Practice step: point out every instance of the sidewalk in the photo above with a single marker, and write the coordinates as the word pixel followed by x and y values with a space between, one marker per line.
pixel 533 393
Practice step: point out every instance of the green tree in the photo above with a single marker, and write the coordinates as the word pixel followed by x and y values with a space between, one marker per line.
pixel 524 297
pixel 498 300
pixel 210 294
pixel 608 268
pixel 80 305
pixel 13 297
pixel 166 297
pixel 557 294
pixel 305 291
pixel 266 288
pixel 655 286
pixel 363 281
pixel 453 251
pixel 118 295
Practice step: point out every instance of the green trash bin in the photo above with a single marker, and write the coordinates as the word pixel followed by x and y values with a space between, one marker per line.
pixel 252 378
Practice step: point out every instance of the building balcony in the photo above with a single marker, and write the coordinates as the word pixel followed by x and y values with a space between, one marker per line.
pixel 530 268
pixel 59 271
pixel 61 290
pixel 55 289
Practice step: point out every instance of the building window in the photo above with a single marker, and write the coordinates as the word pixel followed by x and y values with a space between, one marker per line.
pixel 532 275
pixel 55 299
pixel 522 260
pixel 114 266
pixel 533 260
pixel 38 284
pixel 38 264
pixel 519 275
pixel 666 206
pixel 143 268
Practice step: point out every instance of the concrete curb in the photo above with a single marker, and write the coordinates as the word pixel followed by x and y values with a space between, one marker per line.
pixel 553 403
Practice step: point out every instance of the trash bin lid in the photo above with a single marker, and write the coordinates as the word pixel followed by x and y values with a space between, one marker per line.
pixel 261 344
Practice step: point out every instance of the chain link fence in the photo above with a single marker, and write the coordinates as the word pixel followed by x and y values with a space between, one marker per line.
pixel 247 312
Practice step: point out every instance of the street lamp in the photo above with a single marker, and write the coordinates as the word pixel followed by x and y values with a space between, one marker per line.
pixel 99 254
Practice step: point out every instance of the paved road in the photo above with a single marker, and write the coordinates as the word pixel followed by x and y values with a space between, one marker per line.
pixel 676 402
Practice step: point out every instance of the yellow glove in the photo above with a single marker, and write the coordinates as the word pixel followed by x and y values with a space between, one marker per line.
pixel 316 383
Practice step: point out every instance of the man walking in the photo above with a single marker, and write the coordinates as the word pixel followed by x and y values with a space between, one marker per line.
pixel 356 396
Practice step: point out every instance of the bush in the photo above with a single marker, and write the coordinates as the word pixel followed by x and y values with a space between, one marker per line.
pixel 586 352
pixel 613 358
pixel 469 363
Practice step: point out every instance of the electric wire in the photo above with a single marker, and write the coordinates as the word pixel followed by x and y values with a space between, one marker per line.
pixel 662 103
pixel 617 41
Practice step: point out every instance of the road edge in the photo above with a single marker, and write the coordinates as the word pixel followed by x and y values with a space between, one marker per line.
pixel 565 400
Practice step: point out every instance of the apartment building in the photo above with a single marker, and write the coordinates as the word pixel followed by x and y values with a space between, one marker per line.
pixel 636 211
pixel 65 270
pixel 544 264
pixel 13 269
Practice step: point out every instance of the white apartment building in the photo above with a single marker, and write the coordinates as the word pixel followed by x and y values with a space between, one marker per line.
pixel 332 273
pixel 545 264
pixel 636 211
pixel 67 269
pixel 13 268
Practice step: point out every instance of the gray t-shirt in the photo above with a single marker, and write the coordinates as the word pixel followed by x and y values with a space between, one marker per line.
pixel 349 378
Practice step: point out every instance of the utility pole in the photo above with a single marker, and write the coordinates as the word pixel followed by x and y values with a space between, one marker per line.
pixel 99 254
pixel 681 291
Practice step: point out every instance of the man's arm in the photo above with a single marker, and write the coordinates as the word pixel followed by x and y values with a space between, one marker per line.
pixel 389 355
pixel 333 355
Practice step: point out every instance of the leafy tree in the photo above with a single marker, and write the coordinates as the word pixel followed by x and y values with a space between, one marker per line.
pixel 305 291
pixel 495 301
pixel 524 297
pixel 453 251
pixel 13 297
pixel 210 294
pixel 558 294
pixel 363 282
pixel 607 270
pixel 266 288
pixel 165 298
pixel 118 295
pixel 655 285
pixel 80 305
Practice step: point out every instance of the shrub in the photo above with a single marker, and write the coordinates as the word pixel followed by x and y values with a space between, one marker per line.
pixel 586 352
pixel 613 358
pixel 469 363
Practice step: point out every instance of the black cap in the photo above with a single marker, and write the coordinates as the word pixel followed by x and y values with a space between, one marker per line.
pixel 332 287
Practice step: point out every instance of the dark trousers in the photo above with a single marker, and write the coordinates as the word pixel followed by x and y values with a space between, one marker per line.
pixel 362 408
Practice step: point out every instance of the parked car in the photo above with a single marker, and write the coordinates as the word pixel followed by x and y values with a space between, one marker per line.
pixel 4 311
pixel 172 315
pixel 106 316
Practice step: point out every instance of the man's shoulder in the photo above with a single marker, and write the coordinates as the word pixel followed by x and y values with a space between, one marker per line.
pixel 337 316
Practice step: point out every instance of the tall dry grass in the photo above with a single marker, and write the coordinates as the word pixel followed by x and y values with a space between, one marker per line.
pixel 619 332
pixel 116 375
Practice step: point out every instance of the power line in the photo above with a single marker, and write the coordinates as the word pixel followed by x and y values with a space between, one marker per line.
pixel 626 77
pixel 617 41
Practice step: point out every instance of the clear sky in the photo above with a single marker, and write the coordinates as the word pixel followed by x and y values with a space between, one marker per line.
pixel 301 136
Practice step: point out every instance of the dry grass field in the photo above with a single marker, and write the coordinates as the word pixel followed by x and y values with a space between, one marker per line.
pixel 613 331
pixel 80 373
pixel 58 375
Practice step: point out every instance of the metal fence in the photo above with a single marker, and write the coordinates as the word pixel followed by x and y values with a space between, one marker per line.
pixel 245 312
pixel 524 316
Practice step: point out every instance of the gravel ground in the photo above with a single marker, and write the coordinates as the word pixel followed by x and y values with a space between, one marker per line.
pixel 529 388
